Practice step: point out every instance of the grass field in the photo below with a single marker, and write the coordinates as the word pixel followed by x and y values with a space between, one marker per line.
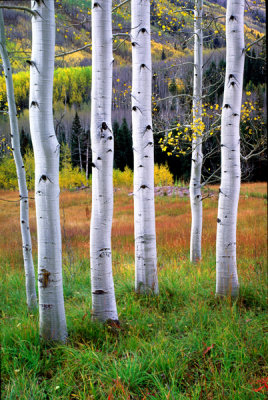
pixel 182 344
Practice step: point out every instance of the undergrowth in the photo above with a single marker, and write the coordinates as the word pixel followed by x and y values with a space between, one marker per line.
pixel 182 344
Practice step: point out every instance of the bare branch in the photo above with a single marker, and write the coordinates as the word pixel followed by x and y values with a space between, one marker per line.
pixel 120 5
pixel 73 51
pixel 174 97
pixel 34 13
pixel 211 176
pixel 255 41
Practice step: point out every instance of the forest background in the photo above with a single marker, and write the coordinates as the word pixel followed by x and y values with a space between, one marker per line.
pixel 172 54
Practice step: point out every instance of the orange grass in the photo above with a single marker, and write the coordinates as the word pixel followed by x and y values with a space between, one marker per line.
pixel 173 220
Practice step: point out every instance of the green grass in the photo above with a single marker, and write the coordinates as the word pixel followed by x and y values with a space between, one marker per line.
pixel 158 353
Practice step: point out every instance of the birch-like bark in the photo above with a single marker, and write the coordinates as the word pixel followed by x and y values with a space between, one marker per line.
pixel 46 154
pixel 24 200
pixel 226 268
pixel 146 280
pixel 102 143
pixel 197 156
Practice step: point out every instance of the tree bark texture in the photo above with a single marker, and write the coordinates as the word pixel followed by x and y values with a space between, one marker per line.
pixel 24 200
pixel 146 280
pixel 102 143
pixel 46 154
pixel 197 155
pixel 226 267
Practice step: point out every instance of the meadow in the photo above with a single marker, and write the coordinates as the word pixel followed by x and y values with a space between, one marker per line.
pixel 182 344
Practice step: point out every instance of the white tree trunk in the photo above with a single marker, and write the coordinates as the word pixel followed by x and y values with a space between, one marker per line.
pixel 146 280
pixel 102 142
pixel 46 153
pixel 24 202
pixel 226 268
pixel 197 156
pixel 87 158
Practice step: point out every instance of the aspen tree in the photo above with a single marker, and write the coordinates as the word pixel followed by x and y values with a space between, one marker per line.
pixel 24 199
pixel 226 268
pixel 197 156
pixel 146 280
pixel 46 154
pixel 102 144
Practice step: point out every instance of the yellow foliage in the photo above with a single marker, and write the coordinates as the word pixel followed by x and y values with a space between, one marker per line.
pixel 71 178
pixel 162 175
pixel 8 176
pixel 71 85
pixel 123 178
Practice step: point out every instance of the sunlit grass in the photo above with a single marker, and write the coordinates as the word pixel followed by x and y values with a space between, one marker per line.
pixel 182 344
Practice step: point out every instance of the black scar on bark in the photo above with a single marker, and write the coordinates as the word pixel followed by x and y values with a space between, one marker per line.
pixel 104 126
pixel 99 291
pixel 218 220
pixel 34 104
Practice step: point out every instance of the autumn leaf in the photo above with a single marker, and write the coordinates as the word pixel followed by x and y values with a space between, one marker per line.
pixel 208 349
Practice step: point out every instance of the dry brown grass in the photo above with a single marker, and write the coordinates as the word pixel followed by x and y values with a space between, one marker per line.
pixel 173 221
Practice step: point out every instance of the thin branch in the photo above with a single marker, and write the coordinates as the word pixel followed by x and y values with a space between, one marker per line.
pixel 34 13
pixel 210 177
pixel 174 97
pixel 256 41
pixel 252 154
pixel 178 65
pixel 72 51
pixel 120 5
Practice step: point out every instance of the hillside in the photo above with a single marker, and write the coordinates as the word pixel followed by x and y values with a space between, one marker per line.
pixel 172 54
pixel 171 30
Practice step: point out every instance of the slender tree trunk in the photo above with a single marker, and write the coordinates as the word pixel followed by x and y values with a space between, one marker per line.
pixel 87 158
pixel 46 153
pixel 197 156
pixel 227 279
pixel 102 142
pixel 80 155
pixel 146 280
pixel 24 202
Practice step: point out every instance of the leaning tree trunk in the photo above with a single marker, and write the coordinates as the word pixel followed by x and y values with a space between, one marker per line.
pixel 102 143
pixel 146 280
pixel 46 154
pixel 24 202
pixel 226 268
pixel 197 156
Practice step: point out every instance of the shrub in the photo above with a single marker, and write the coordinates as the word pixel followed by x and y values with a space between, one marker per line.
pixel 123 178
pixel 71 178
pixel 8 175
pixel 162 175
pixel 29 168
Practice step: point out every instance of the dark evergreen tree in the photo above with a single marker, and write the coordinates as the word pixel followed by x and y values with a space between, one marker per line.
pixel 123 154
pixel 25 141
pixel 77 142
